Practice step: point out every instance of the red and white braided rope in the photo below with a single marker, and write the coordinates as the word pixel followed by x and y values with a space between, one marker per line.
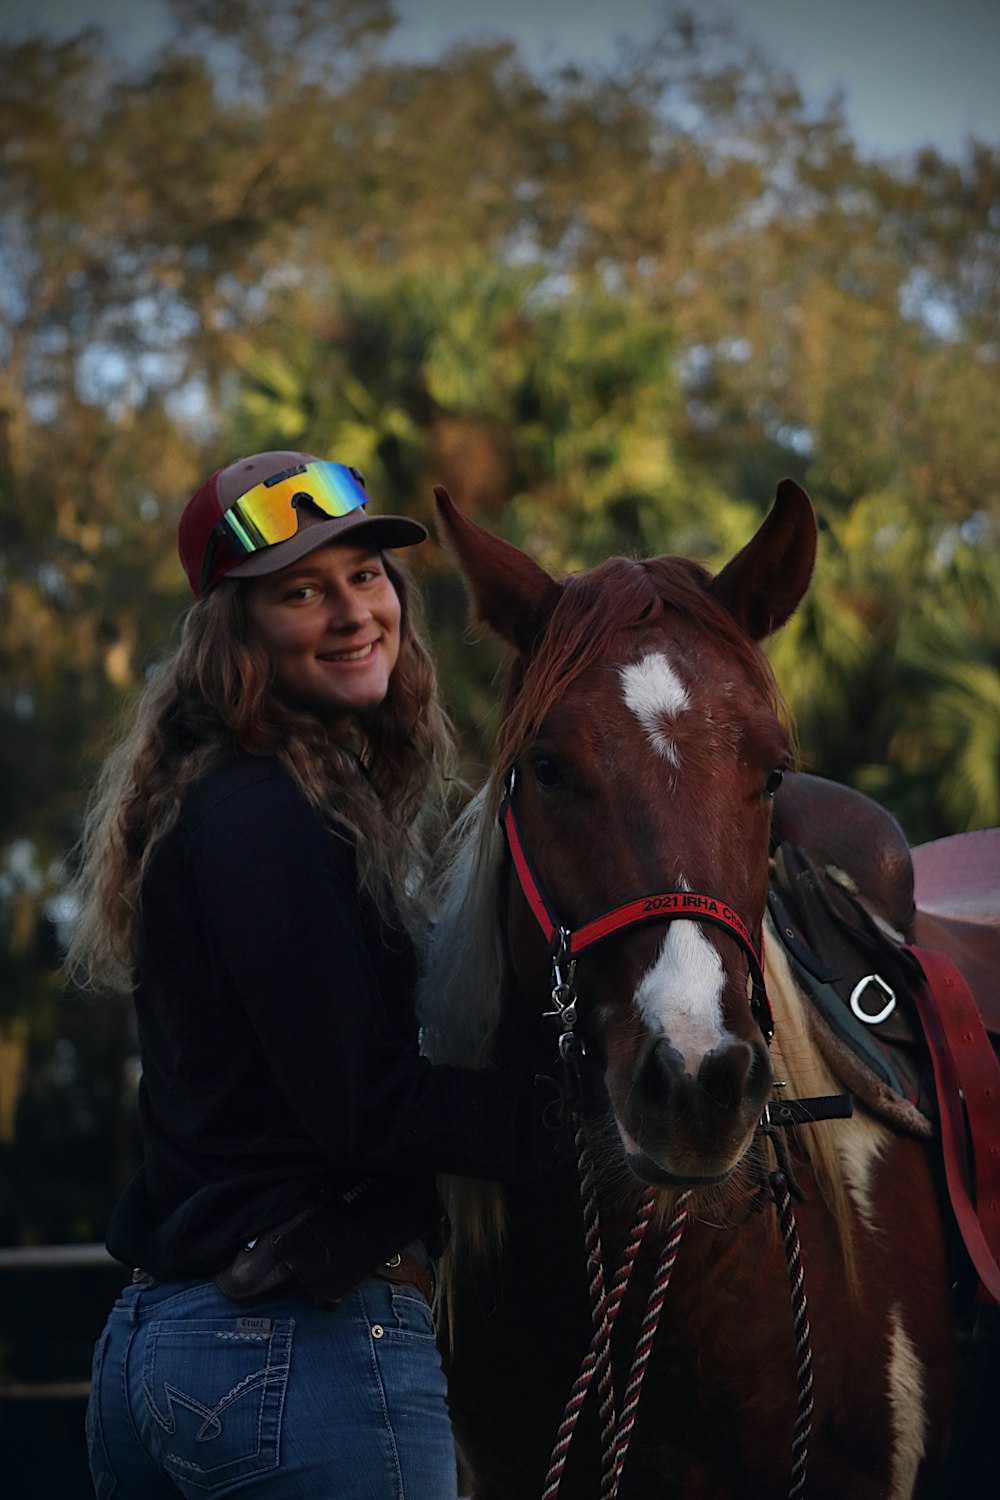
pixel 609 1422
pixel 596 1362
pixel 616 1430
pixel 644 1343
pixel 597 1359
pixel 803 1347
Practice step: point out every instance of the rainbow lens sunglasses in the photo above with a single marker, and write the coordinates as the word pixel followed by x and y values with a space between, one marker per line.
pixel 268 513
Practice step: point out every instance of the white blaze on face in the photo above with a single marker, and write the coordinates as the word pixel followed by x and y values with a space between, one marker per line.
pixel 681 995
pixel 656 695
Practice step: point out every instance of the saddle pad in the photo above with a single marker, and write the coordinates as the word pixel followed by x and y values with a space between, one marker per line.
pixel 960 876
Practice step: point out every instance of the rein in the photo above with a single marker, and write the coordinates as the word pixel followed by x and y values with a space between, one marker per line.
pixel 564 945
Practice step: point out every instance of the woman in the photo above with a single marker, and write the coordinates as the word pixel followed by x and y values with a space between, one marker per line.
pixel 248 872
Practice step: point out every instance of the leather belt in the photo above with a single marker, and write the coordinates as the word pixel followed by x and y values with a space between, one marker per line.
pixel 407 1270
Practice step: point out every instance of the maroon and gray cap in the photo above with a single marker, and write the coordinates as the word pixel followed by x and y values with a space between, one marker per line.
pixel 200 527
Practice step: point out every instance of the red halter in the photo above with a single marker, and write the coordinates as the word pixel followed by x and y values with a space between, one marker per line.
pixel 664 906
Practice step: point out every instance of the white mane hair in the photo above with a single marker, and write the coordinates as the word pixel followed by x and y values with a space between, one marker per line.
pixel 843 1154
pixel 460 991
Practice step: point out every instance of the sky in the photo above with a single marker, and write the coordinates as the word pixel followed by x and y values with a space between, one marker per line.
pixel 912 72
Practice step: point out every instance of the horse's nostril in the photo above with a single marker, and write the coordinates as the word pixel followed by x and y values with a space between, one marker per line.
pixel 662 1067
pixel 726 1074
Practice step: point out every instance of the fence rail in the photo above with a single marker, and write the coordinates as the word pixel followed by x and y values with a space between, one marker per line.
pixel 50 1258
pixel 20 1257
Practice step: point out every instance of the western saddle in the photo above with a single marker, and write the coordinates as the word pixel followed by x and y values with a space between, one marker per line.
pixel 863 916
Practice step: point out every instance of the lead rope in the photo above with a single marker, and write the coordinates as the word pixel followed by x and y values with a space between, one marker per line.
pixel 597 1360
pixel 803 1347
pixel 782 1185
pixel 616 1432
pixel 609 1421
pixel 604 1305
pixel 596 1363
pixel 644 1344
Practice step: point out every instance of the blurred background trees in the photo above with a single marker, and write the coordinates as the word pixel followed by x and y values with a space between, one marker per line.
pixel 607 309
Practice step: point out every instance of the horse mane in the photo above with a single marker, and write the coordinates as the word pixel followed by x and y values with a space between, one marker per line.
pixel 836 1149
pixel 595 608
pixel 460 990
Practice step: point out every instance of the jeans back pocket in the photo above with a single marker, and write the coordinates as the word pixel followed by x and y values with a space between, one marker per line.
pixel 214 1389
pixel 101 1473
pixel 411 1312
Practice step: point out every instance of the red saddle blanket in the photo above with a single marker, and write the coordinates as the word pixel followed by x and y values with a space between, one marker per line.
pixel 957 896
pixel 957 930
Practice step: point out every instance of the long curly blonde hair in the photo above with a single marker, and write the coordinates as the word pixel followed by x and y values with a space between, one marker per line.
pixel 214 695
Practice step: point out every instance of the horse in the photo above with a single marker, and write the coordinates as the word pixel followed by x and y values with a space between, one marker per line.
pixel 641 744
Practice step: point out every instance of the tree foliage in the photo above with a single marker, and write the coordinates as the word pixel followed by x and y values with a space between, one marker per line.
pixel 608 309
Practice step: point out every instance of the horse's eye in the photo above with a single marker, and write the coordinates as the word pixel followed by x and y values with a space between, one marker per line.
pixel 547 773
pixel 773 782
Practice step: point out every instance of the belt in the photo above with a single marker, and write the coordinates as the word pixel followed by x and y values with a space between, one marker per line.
pixel 407 1270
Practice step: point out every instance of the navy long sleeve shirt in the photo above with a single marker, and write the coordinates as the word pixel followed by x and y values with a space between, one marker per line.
pixel 278 1037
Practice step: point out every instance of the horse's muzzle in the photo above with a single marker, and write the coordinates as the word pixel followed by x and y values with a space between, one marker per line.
pixel 689 1131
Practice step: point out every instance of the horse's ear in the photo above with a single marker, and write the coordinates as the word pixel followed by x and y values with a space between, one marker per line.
pixel 764 584
pixel 509 592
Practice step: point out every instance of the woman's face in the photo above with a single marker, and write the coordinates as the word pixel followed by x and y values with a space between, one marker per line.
pixel 331 625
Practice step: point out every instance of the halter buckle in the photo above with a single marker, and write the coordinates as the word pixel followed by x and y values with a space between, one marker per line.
pixel 563 992
pixel 563 989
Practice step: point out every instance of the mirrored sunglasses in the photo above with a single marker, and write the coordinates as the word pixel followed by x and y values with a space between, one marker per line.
pixel 268 513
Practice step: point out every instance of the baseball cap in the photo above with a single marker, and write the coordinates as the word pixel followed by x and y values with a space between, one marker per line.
pixel 261 513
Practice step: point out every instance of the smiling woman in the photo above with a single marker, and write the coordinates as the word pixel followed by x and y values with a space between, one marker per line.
pixel 250 871
pixel 330 625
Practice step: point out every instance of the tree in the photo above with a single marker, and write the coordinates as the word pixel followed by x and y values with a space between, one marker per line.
pixel 607 308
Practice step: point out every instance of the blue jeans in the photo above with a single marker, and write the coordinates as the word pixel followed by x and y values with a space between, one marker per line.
pixel 195 1395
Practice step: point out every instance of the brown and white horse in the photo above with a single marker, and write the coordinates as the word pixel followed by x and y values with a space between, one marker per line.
pixel 646 738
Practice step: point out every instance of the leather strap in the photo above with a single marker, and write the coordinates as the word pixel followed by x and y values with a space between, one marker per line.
pixel 658 906
pixel 966 1072
pixel 407 1270
pixel 812 1111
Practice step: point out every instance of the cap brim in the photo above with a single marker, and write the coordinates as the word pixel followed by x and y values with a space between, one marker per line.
pixel 384 531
